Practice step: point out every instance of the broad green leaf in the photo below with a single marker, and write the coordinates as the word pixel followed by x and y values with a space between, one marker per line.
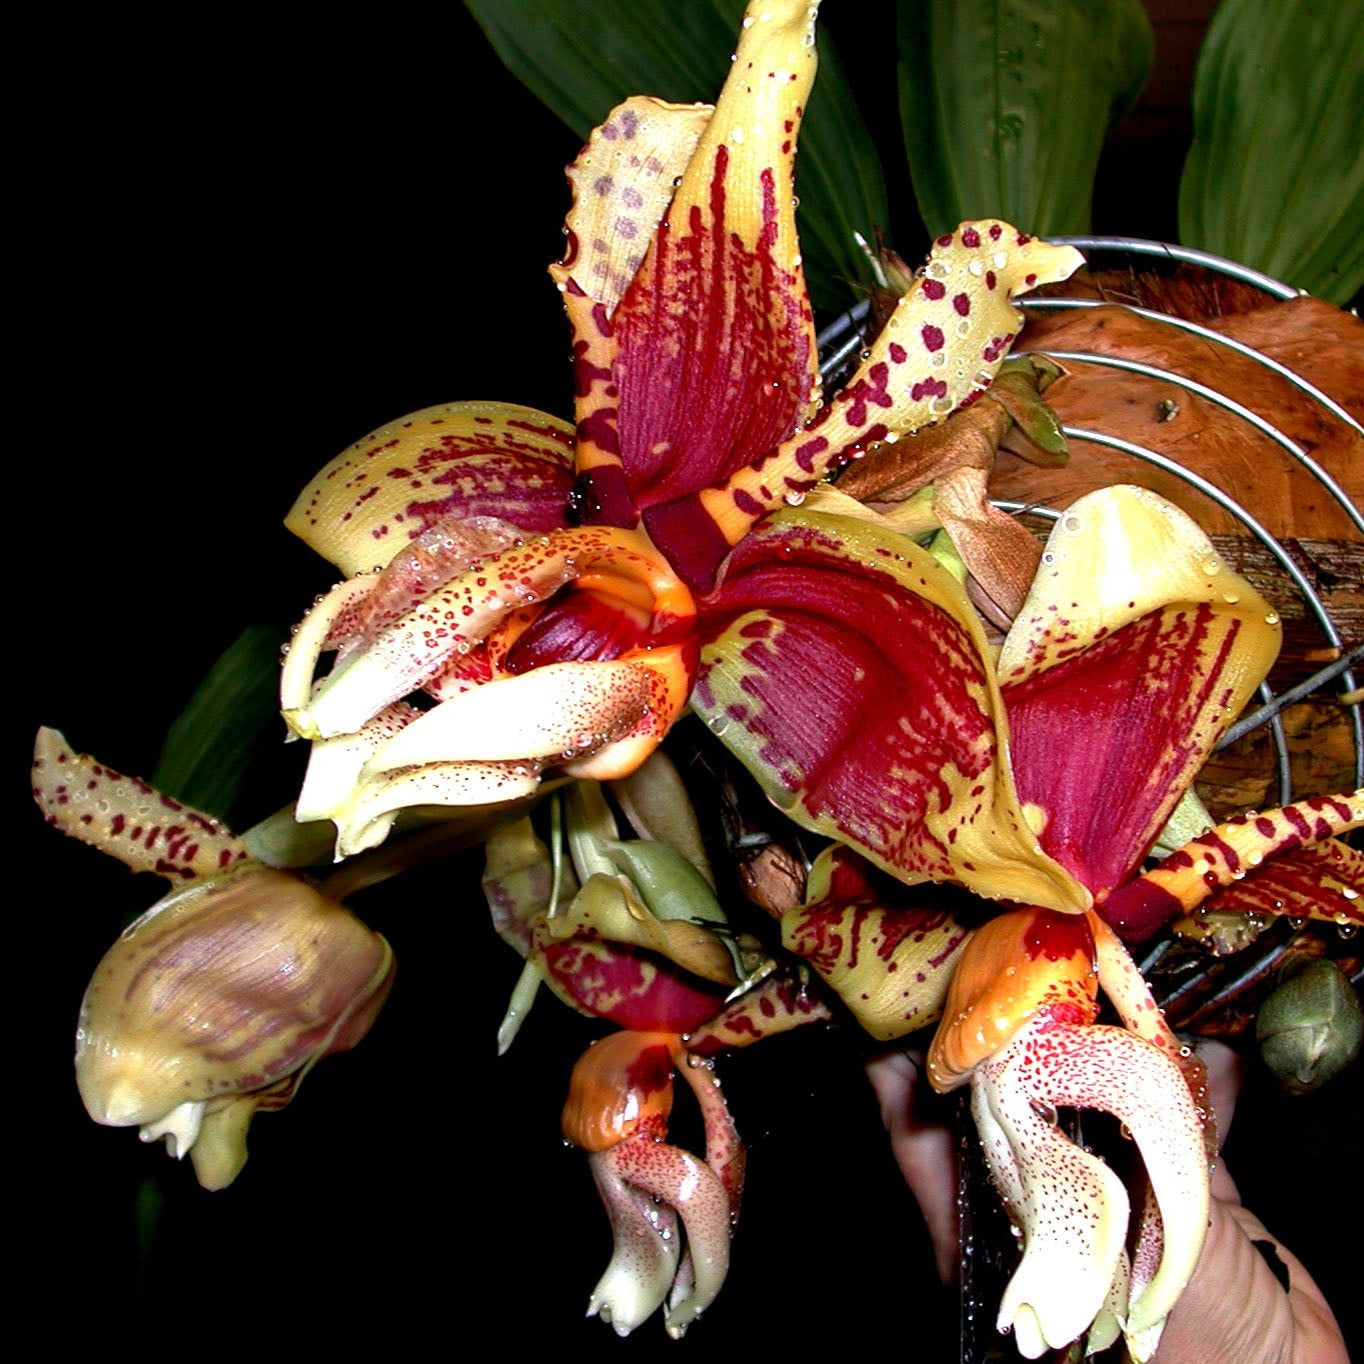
pixel 207 750
pixel 582 60
pixel 1005 104
pixel 1275 176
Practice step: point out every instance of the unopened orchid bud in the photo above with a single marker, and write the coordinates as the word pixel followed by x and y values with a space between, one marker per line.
pixel 216 1002
pixel 1310 1028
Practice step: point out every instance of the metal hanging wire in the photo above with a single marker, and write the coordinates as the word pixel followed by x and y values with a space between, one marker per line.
pixel 842 339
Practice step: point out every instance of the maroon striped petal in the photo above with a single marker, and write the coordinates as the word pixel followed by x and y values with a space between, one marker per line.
pixel 1134 651
pixel 711 348
pixel 458 460
pixel 783 1001
pixel 888 961
pixel 846 669
pixel 1284 861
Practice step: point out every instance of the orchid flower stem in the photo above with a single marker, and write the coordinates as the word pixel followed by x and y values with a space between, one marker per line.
pixel 590 828
pixel 522 999
pixel 556 852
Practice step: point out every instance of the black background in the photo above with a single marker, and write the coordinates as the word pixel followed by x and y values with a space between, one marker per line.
pixel 245 245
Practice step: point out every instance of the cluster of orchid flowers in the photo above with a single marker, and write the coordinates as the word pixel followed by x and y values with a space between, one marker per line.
pixel 528 608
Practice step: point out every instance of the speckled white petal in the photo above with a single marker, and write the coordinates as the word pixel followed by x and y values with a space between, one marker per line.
pixel 644 1257
pixel 561 709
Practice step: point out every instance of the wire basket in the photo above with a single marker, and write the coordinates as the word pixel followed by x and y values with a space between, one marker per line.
pixel 840 342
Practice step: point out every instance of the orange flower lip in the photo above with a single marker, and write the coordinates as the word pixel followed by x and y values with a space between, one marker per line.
pixel 1025 964
pixel 622 1087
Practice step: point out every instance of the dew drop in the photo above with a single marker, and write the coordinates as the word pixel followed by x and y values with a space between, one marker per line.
pixel 795 497
pixel 1072 524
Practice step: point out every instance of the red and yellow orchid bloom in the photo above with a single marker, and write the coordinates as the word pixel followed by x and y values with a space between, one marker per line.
pixel 555 647
pixel 1135 649
pixel 619 1100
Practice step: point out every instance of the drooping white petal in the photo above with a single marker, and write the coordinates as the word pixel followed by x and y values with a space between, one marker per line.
pixel 644 1257
pixel 334 765
pixel 367 819
pixel 1073 1210
pixel 561 709
pixel 1071 1207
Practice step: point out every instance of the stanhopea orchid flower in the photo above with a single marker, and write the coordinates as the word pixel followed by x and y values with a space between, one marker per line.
pixel 551 587
pixel 1135 648
pixel 216 1003
pixel 619 1100
pixel 1019 1025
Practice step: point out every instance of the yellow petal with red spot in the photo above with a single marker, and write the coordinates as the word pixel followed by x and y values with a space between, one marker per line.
pixel 464 460
pixel 943 345
pixel 1135 649
pixel 125 816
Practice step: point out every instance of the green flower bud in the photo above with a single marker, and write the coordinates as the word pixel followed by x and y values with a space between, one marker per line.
pixel 1309 1029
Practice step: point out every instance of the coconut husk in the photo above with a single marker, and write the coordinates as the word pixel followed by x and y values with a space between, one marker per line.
pixel 1322 343
pixel 1326 347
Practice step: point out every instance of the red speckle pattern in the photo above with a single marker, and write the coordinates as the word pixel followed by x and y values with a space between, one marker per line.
pixel 126 817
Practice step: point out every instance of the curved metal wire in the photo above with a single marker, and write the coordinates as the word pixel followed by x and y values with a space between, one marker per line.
pixel 843 337
pixel 1058 304
pixel 1139 246
pixel 1254 419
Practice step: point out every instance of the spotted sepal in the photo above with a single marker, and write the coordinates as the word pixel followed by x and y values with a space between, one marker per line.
pixel 1274 862
pixel 622 182
pixel 127 817
pixel 781 1002
pixel 1135 649
pixel 888 961
pixel 817 616
pixel 461 460
pixel 941 349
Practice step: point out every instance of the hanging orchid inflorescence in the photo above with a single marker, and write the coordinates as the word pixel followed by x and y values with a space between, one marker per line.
pixel 529 607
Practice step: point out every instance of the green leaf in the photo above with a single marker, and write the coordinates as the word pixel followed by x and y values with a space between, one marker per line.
pixel 1275 178
pixel 1005 104
pixel 207 750
pixel 582 60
